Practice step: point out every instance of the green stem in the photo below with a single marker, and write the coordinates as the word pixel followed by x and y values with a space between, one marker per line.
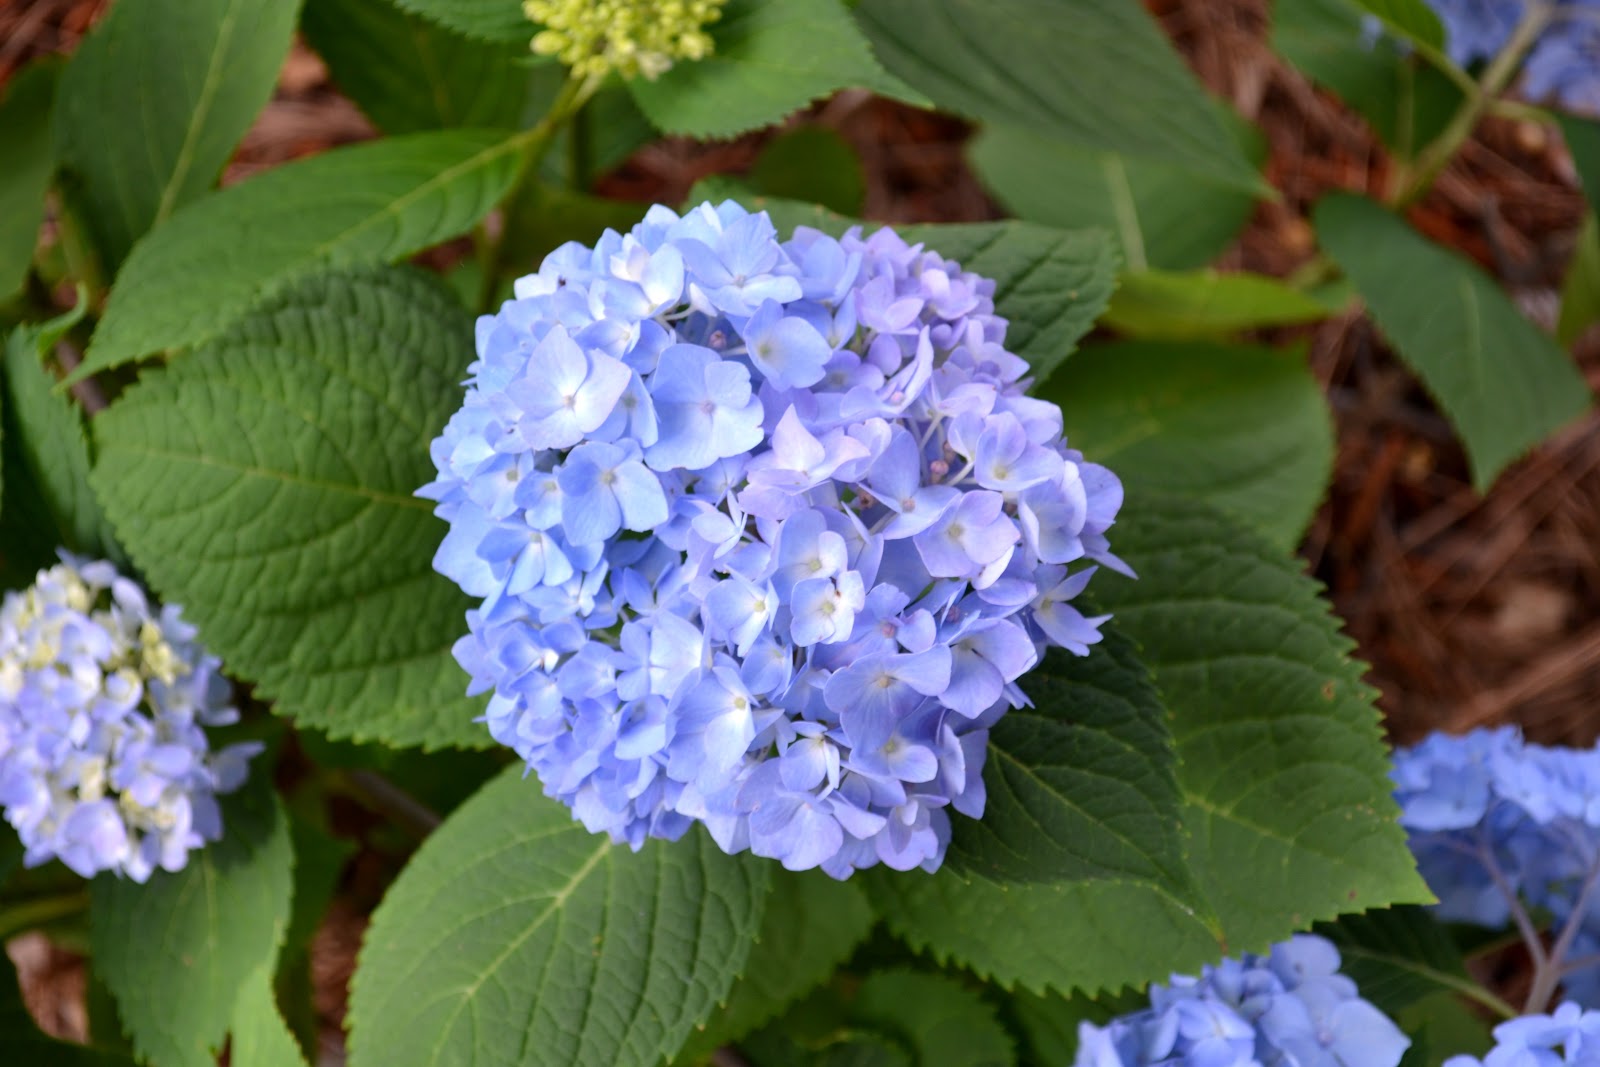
pixel 533 142
pixel 30 914
pixel 381 796
pixel 83 259
pixel 1412 182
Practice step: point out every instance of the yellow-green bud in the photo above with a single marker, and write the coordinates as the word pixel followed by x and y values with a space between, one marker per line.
pixel 631 37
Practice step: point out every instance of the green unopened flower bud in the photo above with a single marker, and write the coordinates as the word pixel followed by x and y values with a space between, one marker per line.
pixel 631 37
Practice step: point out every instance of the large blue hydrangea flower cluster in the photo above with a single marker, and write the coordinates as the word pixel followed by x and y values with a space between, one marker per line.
pixel 104 759
pixel 1567 1037
pixel 1291 1008
pixel 1500 826
pixel 766 532
pixel 1562 66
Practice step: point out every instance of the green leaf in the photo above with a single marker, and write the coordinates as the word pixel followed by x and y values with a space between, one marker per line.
pixel 407 74
pixel 1583 141
pixel 811 925
pixel 1411 19
pixel 1503 382
pixel 177 951
pixel 24 1044
pixel 1401 956
pixel 1407 101
pixel 1163 304
pixel 1047 65
pixel 266 481
pixel 260 1036
pixel 1050 284
pixel 372 202
pixel 844 1047
pixel 944 1023
pixel 1442 1026
pixel 46 430
pixel 813 164
pixel 1094 890
pixel 1580 290
pixel 29 151
pixel 1081 786
pixel 1162 215
pixel 1048 1022
pixel 154 101
pixel 772 57
pixel 1280 758
pixel 1243 428
pixel 483 20
pixel 516 936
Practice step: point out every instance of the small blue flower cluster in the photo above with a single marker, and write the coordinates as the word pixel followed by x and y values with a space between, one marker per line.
pixel 1563 65
pixel 1497 823
pixel 104 760
pixel 765 532
pixel 1291 1008
pixel 1567 1037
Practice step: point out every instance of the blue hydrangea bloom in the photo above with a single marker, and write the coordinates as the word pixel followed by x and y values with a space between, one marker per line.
pixel 1476 29
pixel 1497 823
pixel 1563 64
pixel 1567 1037
pixel 1291 1008
pixel 104 701
pixel 765 531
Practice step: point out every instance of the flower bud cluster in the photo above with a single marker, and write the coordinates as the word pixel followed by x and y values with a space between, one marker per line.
pixel 104 759
pixel 765 532
pixel 1291 1008
pixel 1499 826
pixel 631 37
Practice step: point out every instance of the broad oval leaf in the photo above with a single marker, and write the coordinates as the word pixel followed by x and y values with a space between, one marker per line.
pixel 1162 215
pixel 407 74
pixel 260 1036
pixel 1049 65
pixel 29 151
pixel 372 202
pixel 45 433
pixel 1172 305
pixel 1504 383
pixel 516 936
pixel 177 951
pixel 483 20
pixel 154 101
pixel 1244 428
pixel 1282 765
pixel 944 1023
pixel 811 925
pixel 1075 876
pixel 771 57
pixel 265 483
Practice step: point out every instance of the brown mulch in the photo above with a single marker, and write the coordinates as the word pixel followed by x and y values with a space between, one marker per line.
pixel 1471 609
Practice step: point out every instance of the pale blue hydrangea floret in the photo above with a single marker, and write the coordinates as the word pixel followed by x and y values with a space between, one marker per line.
pixel 1567 1037
pixel 1561 66
pixel 104 703
pixel 1291 1008
pixel 765 533
pixel 1498 824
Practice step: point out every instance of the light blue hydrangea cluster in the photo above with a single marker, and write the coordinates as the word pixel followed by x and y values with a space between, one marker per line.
pixel 1562 66
pixel 1500 826
pixel 104 759
pixel 1567 1037
pixel 1291 1008
pixel 766 532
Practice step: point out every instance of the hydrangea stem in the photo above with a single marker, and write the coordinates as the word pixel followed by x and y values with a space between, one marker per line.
pixel 575 92
pixel 29 914
pixel 1414 181
pixel 1549 971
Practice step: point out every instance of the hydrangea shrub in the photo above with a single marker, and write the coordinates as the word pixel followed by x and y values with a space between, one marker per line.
pixel 833 649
